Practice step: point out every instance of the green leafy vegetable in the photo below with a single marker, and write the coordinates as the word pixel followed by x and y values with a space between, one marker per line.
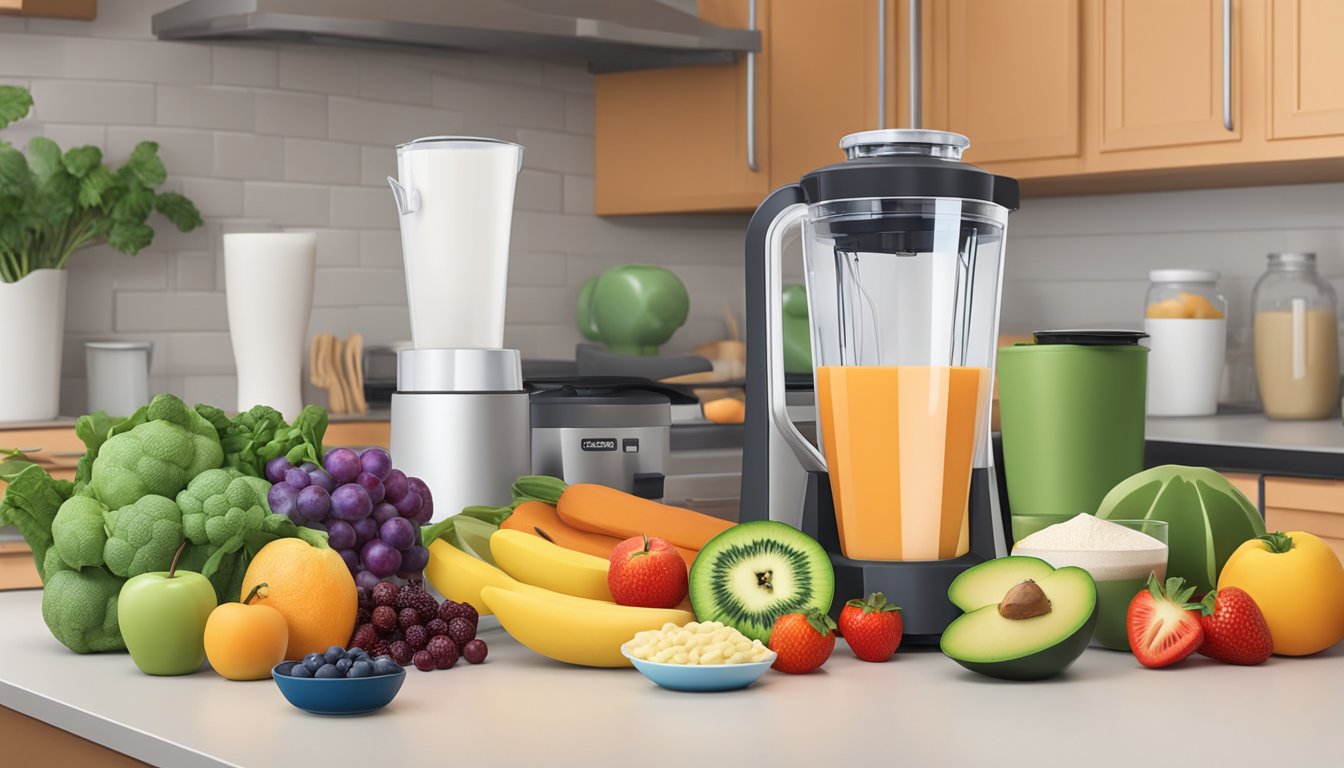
pixel 219 504
pixel 142 536
pixel 446 529
pixel 31 502
pixel 80 609
pixel 13 463
pixel 158 456
pixel 80 532
pixel 256 436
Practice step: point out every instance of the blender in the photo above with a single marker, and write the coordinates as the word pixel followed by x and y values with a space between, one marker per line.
pixel 460 414
pixel 903 252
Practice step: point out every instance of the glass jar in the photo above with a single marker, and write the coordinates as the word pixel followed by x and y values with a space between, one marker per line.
pixel 1296 339
pixel 1186 322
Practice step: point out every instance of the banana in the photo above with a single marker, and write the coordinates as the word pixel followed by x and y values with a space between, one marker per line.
pixel 573 629
pixel 533 560
pixel 459 577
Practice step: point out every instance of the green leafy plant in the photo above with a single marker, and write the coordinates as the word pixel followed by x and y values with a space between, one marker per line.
pixel 53 203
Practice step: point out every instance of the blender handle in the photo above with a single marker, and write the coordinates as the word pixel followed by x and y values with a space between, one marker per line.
pixel 408 200
pixel 807 454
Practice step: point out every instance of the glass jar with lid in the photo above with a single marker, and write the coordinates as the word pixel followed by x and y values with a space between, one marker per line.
pixel 1296 339
pixel 1186 322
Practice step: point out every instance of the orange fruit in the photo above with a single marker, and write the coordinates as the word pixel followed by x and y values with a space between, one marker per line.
pixel 244 640
pixel 311 588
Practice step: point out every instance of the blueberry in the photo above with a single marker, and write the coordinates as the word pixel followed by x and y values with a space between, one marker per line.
pixel 359 654
pixel 360 669
pixel 344 664
pixel 299 670
pixel 334 654
pixel 384 665
pixel 313 662
pixel 328 670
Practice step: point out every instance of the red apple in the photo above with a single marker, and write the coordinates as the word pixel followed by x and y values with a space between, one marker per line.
pixel 647 572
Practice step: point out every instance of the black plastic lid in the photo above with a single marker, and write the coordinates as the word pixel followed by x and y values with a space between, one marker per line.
pixel 1084 338
pixel 605 390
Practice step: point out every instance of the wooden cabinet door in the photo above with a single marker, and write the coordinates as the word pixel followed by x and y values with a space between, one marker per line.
pixel 1161 74
pixel 1301 504
pixel 675 140
pixel 1012 77
pixel 1307 64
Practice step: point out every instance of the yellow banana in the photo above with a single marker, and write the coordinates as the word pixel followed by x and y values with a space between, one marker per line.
pixel 459 577
pixel 536 561
pixel 572 629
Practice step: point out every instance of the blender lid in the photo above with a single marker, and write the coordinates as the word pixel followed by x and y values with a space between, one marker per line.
pixel 907 163
pixel 605 390
pixel 450 142
pixel 1091 338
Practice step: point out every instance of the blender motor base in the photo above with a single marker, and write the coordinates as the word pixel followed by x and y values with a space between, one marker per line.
pixel 919 587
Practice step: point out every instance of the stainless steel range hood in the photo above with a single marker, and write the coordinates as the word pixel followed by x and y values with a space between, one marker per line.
pixel 608 35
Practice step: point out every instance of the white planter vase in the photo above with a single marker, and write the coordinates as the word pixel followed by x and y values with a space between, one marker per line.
pixel 32 311
pixel 268 285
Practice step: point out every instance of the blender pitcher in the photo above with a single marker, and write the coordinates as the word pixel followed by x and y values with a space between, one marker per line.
pixel 902 248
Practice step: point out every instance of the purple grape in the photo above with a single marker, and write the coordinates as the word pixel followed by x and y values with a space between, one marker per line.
pixel 340 534
pixel 415 559
pixel 384 512
pixel 343 464
pixel 350 502
pixel 371 485
pixel 408 505
pixel 398 532
pixel 380 559
pixel 314 503
pixel 281 499
pixel 276 468
pixel 395 486
pixel 426 499
pixel 322 477
pixel 365 530
pixel 351 557
pixel 308 466
pixel 376 462
pixel 297 478
pixel 367 580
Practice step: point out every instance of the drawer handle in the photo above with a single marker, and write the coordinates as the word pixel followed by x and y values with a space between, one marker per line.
pixel 751 91
pixel 1227 64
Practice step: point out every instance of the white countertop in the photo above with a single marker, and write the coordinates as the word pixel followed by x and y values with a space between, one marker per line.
pixel 521 709
pixel 1251 430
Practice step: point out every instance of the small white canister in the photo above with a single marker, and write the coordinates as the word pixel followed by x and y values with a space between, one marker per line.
pixel 118 375
pixel 1186 322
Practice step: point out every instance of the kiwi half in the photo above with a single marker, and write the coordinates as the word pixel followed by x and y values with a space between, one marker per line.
pixel 753 573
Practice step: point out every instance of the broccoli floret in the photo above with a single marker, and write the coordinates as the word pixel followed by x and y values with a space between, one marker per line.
pixel 80 608
pixel 219 504
pixel 79 532
pixel 157 457
pixel 143 536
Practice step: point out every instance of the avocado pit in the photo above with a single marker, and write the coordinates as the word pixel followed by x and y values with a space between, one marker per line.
pixel 1024 601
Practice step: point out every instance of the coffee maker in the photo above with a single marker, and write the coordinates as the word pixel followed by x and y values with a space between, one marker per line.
pixel 460 412
pixel 903 248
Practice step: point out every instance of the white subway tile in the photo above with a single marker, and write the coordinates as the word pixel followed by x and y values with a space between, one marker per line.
pixel 200 106
pixel 566 77
pixel 537 268
pixel 326 70
pixel 501 104
pixel 88 300
pixel 295 205
pixel 359 287
pixel 376 164
pixel 337 247
pixel 321 161
pixel 387 124
pixel 363 207
pixel 578 195
pixel 215 197
pixel 555 151
pixel 249 156
pixel 169 239
pixel 506 69
pixel 77 101
pixel 87 58
pixel 195 271
pixel 238 63
pixel 387 81
pixel 537 191
pixel 522 338
pixel 540 304
pixel 185 151
pixel 380 247
pixel 220 391
pixel 580 113
pixel 380 325
pixel 291 114
pixel 69 135
pixel 199 353
pixel 182 311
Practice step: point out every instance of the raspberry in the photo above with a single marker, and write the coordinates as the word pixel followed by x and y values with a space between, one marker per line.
pixel 384 593
pixel 461 631
pixel 407 618
pixel 417 636
pixel 401 652
pixel 364 606
pixel 364 637
pixel 451 610
pixel 437 627
pixel 423 661
pixel 475 651
pixel 379 649
pixel 384 619
pixel 444 651
pixel 415 596
pixel 469 613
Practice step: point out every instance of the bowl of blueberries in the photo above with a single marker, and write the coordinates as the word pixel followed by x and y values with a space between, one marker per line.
pixel 339 683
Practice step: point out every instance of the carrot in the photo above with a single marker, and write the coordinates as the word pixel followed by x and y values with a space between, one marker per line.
pixel 538 518
pixel 725 410
pixel 598 509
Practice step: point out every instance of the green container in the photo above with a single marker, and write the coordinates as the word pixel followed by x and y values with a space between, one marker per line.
pixel 1072 420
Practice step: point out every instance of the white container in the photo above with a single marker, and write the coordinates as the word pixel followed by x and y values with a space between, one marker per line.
pixel 118 375
pixel 1186 323
pixel 268 283
pixel 32 311
pixel 455 198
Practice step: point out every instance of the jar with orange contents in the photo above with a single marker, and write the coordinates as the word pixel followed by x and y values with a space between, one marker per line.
pixel 1186 321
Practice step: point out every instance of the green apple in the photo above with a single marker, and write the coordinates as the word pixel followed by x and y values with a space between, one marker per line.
pixel 162 617
pixel 633 309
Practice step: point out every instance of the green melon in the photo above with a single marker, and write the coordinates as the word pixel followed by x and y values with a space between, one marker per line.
pixel 1207 518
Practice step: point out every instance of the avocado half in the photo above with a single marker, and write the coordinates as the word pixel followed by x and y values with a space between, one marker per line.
pixel 984 641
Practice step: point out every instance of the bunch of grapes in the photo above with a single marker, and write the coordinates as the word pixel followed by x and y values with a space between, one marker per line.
pixel 371 512
pixel 409 625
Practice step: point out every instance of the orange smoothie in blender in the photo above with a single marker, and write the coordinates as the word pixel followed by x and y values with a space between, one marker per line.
pixel 900 443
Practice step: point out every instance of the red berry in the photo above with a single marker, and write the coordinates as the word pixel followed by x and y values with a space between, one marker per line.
pixel 461 631
pixel 444 651
pixel 384 593
pixel 469 613
pixel 423 661
pixel 364 637
pixel 407 618
pixel 384 619
pixel 379 648
pixel 450 610
pixel 436 627
pixel 401 652
pixel 475 651
pixel 417 636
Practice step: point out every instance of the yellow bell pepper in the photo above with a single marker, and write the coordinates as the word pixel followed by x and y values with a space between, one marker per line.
pixel 1298 582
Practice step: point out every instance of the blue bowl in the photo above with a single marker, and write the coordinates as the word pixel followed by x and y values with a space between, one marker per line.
pixel 698 678
pixel 337 696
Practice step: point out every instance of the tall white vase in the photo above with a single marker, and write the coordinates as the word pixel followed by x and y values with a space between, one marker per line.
pixel 32 312
pixel 268 282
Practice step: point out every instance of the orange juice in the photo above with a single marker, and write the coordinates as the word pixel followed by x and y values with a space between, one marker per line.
pixel 900 442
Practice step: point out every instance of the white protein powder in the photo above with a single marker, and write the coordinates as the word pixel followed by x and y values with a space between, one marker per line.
pixel 1106 550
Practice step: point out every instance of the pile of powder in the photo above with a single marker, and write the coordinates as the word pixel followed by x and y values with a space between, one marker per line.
pixel 1105 549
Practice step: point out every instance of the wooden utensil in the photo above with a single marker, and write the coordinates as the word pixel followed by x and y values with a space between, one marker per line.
pixel 353 369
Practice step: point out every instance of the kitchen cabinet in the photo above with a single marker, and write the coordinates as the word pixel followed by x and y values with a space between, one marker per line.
pixel 85 10
pixel 1306 61
pixel 1247 483
pixel 1302 504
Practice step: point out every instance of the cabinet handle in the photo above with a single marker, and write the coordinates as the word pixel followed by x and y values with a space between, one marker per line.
pixel 916 77
pixel 1227 64
pixel 881 64
pixel 751 91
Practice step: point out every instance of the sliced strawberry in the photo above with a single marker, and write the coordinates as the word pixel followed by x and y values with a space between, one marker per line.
pixel 1164 627
pixel 1234 628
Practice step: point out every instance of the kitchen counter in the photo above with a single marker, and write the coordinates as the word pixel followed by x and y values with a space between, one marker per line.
pixel 521 709
pixel 1249 442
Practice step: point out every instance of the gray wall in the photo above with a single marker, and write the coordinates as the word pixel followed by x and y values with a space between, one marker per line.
pixel 300 137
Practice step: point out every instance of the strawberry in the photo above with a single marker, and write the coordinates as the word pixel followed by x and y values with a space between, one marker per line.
pixel 1234 628
pixel 804 641
pixel 1163 627
pixel 872 627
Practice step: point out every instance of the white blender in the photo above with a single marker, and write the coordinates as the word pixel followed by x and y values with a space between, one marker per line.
pixel 460 413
